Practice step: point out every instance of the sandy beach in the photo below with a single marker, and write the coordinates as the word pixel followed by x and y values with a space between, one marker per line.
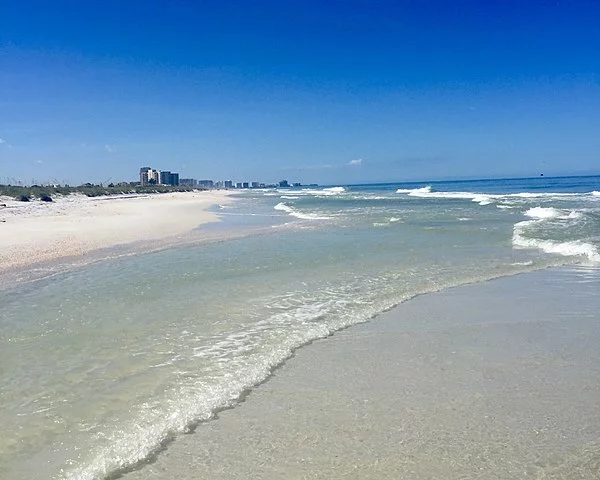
pixel 356 333
pixel 498 380
pixel 35 233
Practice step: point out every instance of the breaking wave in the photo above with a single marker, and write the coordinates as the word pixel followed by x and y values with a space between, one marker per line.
pixel 283 207
pixel 552 230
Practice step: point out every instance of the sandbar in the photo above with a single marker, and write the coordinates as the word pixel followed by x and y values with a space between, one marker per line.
pixel 34 234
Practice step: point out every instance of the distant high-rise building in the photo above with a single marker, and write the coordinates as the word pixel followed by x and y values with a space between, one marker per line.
pixel 188 182
pixel 238 185
pixel 284 183
pixel 149 176
pixel 245 185
pixel 145 175
pixel 165 177
pixel 255 184
pixel 228 184
pixel 206 183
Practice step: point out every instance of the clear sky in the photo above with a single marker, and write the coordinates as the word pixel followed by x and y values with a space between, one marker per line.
pixel 327 92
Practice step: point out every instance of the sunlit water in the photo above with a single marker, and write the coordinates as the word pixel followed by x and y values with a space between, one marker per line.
pixel 103 366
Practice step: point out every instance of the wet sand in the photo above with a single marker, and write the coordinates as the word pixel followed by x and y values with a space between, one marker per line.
pixel 499 380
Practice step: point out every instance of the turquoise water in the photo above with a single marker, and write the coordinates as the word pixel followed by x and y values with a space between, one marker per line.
pixel 103 366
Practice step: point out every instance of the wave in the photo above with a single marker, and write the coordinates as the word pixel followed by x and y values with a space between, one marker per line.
pixel 426 189
pixel 307 192
pixel 574 248
pixel 488 198
pixel 429 192
pixel 480 198
pixel 335 189
pixel 548 221
pixel 294 213
pixel 544 212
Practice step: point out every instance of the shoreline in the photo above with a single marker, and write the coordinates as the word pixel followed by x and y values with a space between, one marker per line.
pixel 38 239
pixel 474 381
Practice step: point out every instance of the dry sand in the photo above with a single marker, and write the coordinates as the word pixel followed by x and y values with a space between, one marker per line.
pixel 499 380
pixel 75 226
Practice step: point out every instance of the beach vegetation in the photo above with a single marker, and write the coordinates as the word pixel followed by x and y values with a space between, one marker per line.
pixel 48 193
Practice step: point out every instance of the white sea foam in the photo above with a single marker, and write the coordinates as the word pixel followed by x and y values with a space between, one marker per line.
pixel 596 193
pixel 568 249
pixel 387 224
pixel 482 199
pixel 427 192
pixel 323 192
pixel 487 198
pixel 426 189
pixel 544 212
pixel 540 194
pixel 524 264
pixel 294 213
pixel 369 197
pixel 541 215
pixel 290 197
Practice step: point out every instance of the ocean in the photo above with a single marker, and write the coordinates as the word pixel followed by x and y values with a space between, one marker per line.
pixel 104 366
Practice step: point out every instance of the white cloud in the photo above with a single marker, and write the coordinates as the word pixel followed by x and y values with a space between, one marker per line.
pixel 355 163
pixel 110 149
pixel 2 141
pixel 39 162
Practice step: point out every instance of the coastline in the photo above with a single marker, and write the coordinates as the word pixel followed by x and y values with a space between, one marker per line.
pixel 491 380
pixel 37 237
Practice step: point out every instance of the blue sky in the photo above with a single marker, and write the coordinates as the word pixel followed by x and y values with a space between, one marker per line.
pixel 326 92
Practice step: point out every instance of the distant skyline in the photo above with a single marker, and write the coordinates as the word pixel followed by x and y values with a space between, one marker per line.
pixel 314 92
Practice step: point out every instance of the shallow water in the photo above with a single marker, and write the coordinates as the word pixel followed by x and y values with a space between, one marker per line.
pixel 496 380
pixel 102 366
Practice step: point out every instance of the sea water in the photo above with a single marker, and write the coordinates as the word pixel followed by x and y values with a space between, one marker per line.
pixel 102 367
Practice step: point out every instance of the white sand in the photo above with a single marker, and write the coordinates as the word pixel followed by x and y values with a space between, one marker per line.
pixel 74 226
